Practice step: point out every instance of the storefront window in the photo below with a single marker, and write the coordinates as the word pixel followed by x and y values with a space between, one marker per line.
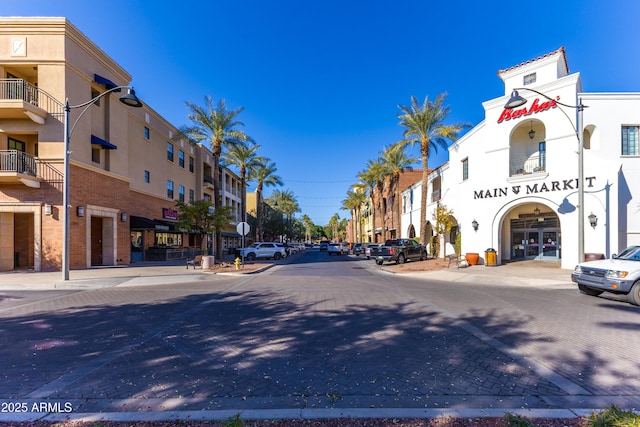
pixel 169 239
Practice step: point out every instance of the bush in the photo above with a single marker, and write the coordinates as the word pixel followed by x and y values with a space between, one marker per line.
pixel 614 416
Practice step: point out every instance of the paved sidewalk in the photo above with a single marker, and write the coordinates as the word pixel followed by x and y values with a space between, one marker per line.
pixel 150 273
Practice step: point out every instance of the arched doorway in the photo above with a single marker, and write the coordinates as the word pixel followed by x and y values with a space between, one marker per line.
pixel 411 233
pixel 534 233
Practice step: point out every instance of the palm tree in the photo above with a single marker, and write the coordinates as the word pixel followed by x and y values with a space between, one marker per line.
pixel 334 222
pixel 287 203
pixel 352 203
pixel 396 161
pixel 308 226
pixel 373 175
pixel 424 125
pixel 246 159
pixel 263 174
pixel 216 126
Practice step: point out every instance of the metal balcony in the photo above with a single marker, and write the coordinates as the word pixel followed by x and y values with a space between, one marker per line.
pixel 18 167
pixel 529 165
pixel 20 99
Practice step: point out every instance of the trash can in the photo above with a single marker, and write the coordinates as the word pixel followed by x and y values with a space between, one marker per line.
pixel 490 257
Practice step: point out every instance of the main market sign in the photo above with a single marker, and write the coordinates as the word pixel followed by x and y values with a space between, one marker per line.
pixel 527 189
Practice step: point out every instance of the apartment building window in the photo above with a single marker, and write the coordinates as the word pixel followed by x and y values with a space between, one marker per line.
pixel 170 189
pixel 192 196
pixel 170 151
pixel 147 177
pixel 191 164
pixel 95 94
pixel 465 169
pixel 181 193
pixel 529 79
pixel 181 158
pixel 146 132
pixel 95 155
pixel 630 140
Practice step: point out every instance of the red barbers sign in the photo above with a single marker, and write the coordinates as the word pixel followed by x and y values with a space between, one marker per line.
pixel 535 107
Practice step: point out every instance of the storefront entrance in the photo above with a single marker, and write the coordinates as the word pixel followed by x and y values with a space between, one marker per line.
pixel 536 238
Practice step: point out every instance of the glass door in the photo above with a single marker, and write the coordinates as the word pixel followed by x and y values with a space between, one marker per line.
pixel 532 246
pixel 550 246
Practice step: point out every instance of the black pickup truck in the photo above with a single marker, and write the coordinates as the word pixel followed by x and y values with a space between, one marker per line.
pixel 399 250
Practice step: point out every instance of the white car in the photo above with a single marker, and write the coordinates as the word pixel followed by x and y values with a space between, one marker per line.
pixel 298 246
pixel 619 275
pixel 337 249
pixel 262 250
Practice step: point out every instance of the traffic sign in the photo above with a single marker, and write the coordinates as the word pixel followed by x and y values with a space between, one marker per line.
pixel 243 228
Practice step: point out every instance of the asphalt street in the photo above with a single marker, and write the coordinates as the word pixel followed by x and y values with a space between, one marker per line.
pixel 313 337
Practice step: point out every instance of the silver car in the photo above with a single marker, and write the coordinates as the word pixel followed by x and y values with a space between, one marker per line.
pixel 262 250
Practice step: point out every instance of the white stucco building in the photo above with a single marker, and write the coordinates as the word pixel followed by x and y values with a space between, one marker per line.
pixel 516 173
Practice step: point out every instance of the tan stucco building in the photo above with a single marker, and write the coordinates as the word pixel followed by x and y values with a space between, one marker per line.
pixel 127 165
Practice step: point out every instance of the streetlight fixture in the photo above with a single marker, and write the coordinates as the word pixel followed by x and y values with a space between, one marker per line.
pixel 516 101
pixel 130 99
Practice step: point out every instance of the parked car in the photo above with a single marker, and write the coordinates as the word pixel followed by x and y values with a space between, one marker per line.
pixel 297 246
pixel 618 275
pixel 370 248
pixel 338 248
pixel 262 250
pixel 400 250
pixel 358 249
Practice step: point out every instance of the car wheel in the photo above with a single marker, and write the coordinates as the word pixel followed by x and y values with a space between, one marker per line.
pixel 251 256
pixel 634 294
pixel 379 262
pixel 400 259
pixel 422 257
pixel 277 256
pixel 589 291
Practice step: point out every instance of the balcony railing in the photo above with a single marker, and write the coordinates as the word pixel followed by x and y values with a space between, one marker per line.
pixel 532 164
pixel 19 89
pixel 18 162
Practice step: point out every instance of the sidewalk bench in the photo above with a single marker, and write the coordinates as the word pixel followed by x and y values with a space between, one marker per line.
pixel 459 260
pixel 197 261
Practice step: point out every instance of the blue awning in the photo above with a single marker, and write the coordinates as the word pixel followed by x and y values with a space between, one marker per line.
pixel 104 144
pixel 105 81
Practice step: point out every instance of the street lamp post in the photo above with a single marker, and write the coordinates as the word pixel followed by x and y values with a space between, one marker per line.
pixel 129 99
pixel 516 101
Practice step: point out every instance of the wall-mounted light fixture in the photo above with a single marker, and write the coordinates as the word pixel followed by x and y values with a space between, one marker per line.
pixel 47 209
pixel 593 220
pixel 123 217
pixel 532 133
pixel 80 211
pixel 474 224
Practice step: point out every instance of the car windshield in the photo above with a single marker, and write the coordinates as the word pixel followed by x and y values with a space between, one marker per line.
pixel 255 245
pixel 632 253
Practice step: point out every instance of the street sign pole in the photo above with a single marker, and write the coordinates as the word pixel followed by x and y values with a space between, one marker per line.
pixel 243 229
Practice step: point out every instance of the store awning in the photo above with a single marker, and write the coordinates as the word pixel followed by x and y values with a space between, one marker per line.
pixel 101 142
pixel 142 223
pixel 105 81
pixel 228 234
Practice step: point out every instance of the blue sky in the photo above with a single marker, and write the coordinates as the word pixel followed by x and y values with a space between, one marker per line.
pixel 320 81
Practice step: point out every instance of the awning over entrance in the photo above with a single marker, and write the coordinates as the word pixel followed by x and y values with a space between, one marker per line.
pixel 142 223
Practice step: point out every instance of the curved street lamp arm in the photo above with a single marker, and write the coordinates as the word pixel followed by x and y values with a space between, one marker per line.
pixel 579 106
pixel 89 103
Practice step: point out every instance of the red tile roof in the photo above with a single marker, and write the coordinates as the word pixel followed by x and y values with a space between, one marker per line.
pixel 561 50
